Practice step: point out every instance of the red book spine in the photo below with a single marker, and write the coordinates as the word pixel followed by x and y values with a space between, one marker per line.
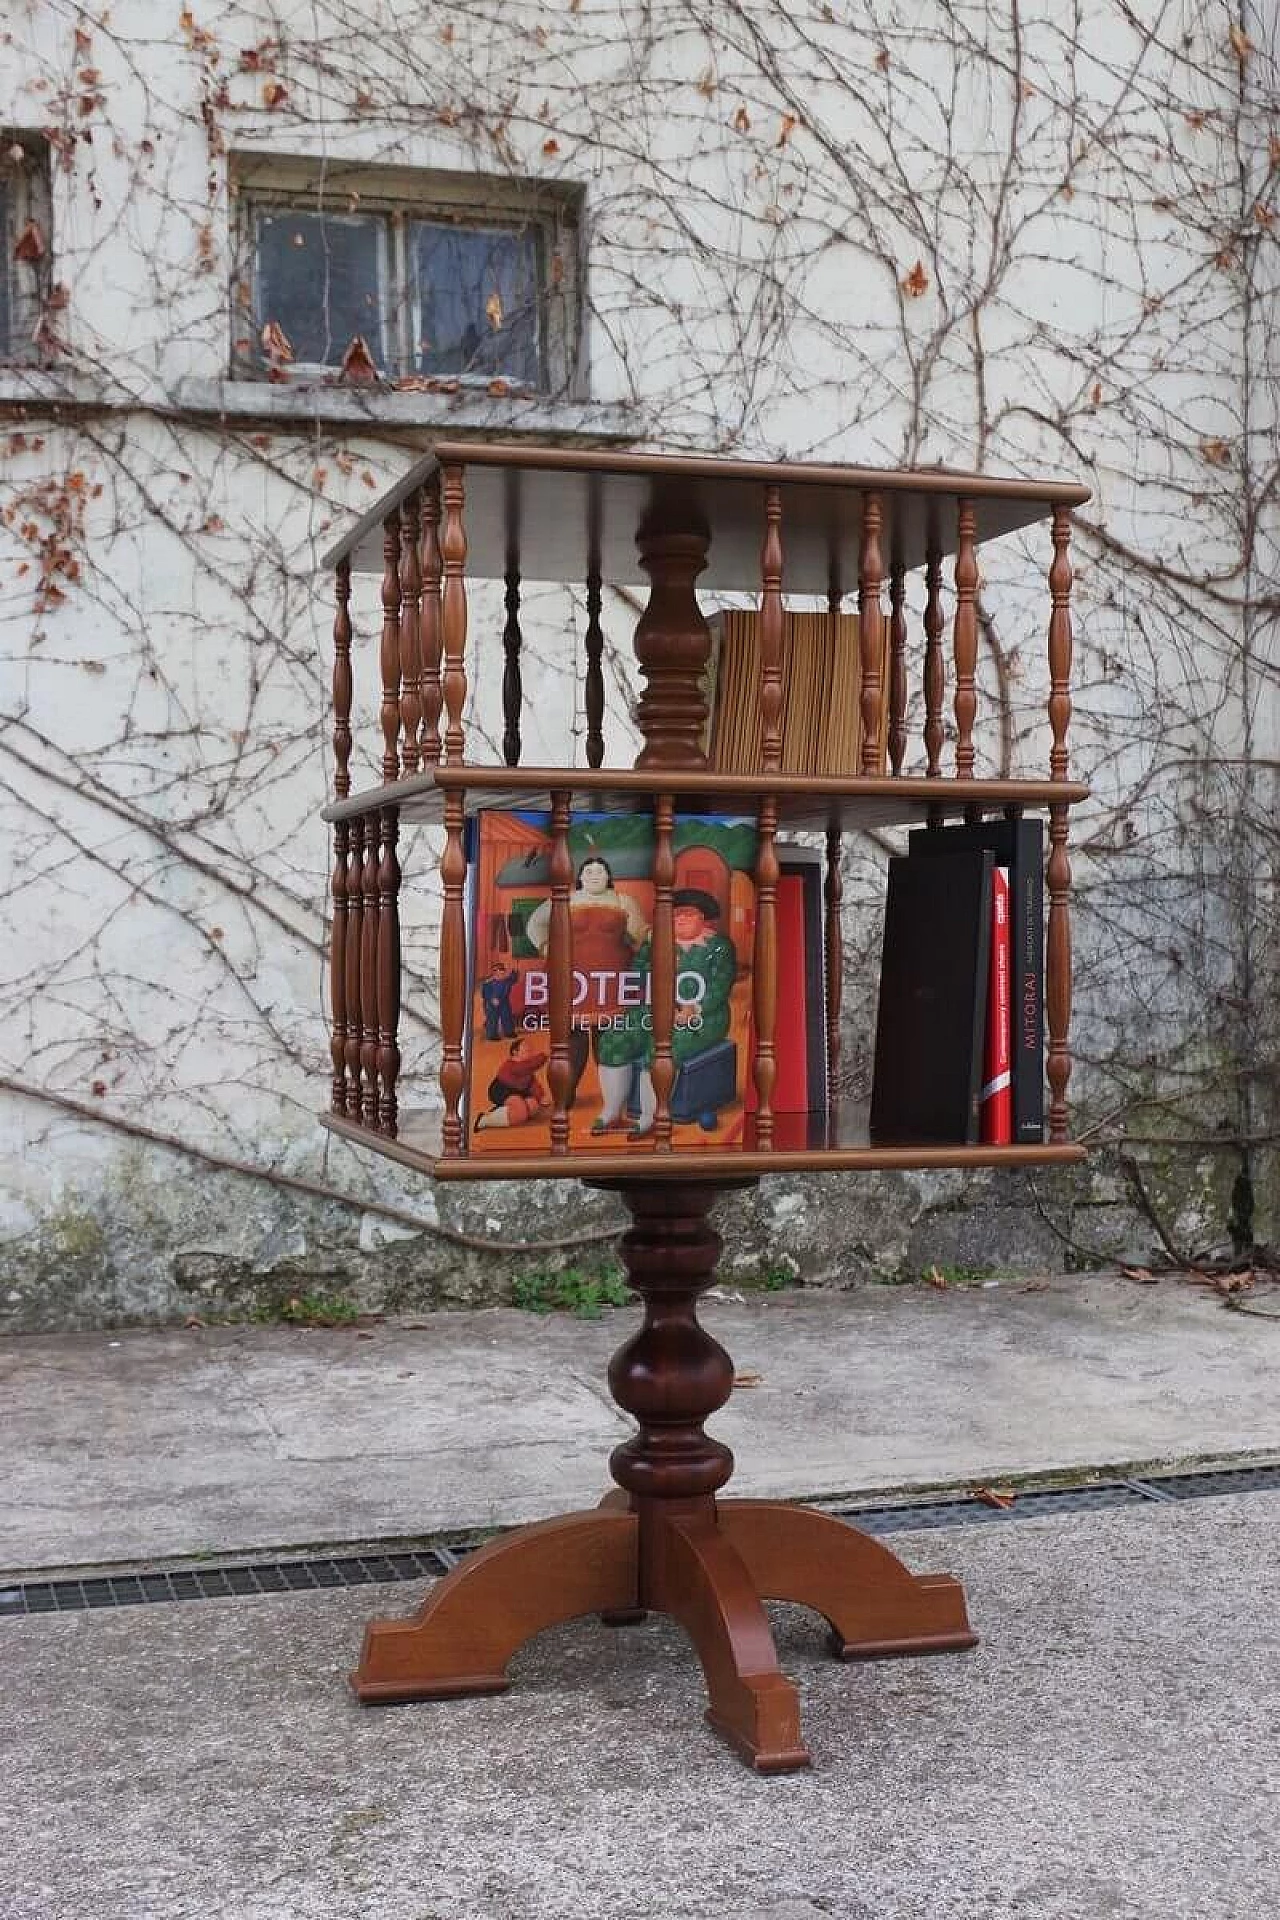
pixel 996 1113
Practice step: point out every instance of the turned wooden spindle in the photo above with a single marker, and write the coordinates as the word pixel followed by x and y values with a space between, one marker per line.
pixel 871 631
pixel 964 636
pixel 672 639
pixel 897 667
pixel 833 955
pixel 663 968
pixel 772 621
pixel 453 615
pixel 388 972
pixel 341 833
pixel 411 631
pixel 593 687
pixel 935 678
pixel 391 648
pixel 1058 875
pixel 512 682
pixel 354 1041
pixel 369 978
pixel 432 643
pixel 560 973
pixel 765 966
pixel 453 971
pixel 671 1376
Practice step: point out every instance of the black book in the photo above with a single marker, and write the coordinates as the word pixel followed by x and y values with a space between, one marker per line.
pixel 927 1081
pixel 1018 845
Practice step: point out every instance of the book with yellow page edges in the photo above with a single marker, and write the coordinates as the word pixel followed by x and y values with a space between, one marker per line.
pixel 822 695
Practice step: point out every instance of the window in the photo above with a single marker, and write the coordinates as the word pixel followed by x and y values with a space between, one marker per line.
pixel 24 240
pixel 442 276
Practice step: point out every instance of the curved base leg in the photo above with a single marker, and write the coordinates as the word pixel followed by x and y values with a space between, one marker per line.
pixel 616 1501
pixel 875 1606
pixel 692 1572
pixel 479 1615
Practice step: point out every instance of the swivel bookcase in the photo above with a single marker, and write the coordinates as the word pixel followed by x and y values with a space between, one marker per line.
pixel 665 1539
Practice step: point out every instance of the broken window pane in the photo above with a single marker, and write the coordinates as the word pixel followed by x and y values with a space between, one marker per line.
pixel 477 301
pixel 321 279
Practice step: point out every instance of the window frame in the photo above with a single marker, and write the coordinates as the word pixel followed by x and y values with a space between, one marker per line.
pixel 28 282
pixel 399 196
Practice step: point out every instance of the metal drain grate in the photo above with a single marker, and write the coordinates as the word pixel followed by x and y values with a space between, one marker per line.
pixel 964 1510
pixel 300 1575
pixel 223 1583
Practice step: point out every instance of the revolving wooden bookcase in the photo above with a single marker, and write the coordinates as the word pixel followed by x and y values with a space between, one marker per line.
pixel 663 1540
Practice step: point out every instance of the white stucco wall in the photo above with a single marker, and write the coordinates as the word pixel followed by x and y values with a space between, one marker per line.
pixel 1089 199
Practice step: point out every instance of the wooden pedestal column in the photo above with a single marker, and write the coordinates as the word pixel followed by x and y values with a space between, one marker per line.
pixel 663 1542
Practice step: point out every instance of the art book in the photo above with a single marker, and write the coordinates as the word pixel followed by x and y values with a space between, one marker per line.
pixel 612 1100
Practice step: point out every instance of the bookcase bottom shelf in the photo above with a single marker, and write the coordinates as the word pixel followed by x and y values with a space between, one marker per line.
pixel 802 1143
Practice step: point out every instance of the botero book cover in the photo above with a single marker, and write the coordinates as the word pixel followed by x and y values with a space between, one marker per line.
pixel 612 1102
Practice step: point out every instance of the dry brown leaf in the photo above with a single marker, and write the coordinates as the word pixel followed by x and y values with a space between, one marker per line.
pixel 747 1378
pixel 1241 44
pixel 551 148
pixel 276 343
pixel 789 125
pixel 1143 1275
pixel 1216 452
pixel 937 1278
pixel 30 245
pixel 916 282
pixel 358 366
pixel 742 120
pixel 992 1497
pixel 274 94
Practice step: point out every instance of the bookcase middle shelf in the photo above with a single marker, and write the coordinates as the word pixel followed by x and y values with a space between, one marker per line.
pixel 805 803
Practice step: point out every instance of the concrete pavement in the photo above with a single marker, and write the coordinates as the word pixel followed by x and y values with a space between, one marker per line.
pixel 1109 1752
pixel 137 1445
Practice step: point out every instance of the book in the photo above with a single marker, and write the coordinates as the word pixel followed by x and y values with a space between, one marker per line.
pixel 931 1018
pixel 995 1113
pixel 508 1103
pixel 821 719
pixel 1019 846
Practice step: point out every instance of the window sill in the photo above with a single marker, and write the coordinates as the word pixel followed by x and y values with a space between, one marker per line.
pixel 323 404
pixel 297 405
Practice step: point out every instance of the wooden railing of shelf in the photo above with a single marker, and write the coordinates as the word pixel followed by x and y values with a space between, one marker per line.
pixel 422 720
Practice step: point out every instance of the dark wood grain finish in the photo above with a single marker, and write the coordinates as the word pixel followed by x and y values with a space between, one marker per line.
pixel 354 1037
pixel 935 679
pixel 338 968
pixel 663 969
pixel 342 690
pixel 897 669
pixel 593 683
pixel 965 638
pixel 872 1604
pixel 342 685
pixel 672 644
pixel 764 979
pixel 560 974
pixel 670 1376
pixel 771 624
pixel 453 974
pixel 1058 871
pixel 432 624
pixel 469 1626
pixel 871 630
pixel 411 632
pixel 391 648
pixel 388 973
pixel 512 677
pixel 370 892
pixel 453 614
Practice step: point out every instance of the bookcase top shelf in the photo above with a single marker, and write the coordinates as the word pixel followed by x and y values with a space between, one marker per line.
pixel 539 508
pixel 802 1143
pixel 804 802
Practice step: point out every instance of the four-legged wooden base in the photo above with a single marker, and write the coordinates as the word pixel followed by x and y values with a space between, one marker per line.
pixel 666 1544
